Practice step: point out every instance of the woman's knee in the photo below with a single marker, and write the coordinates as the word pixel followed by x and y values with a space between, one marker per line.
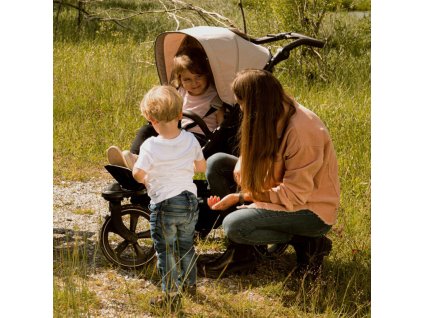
pixel 214 162
pixel 231 227
pixel 218 163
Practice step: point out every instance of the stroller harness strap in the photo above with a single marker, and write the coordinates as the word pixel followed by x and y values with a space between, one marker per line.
pixel 193 124
pixel 215 104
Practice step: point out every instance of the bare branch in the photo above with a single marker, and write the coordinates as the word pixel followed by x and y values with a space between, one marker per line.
pixel 215 16
pixel 71 5
pixel 173 15
pixel 117 15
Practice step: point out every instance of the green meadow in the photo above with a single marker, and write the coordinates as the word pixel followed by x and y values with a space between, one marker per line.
pixel 102 68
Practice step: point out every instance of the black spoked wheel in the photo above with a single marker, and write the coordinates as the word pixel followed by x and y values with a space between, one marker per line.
pixel 271 250
pixel 125 253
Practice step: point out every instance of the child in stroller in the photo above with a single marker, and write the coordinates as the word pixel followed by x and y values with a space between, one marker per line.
pixel 191 75
pixel 125 236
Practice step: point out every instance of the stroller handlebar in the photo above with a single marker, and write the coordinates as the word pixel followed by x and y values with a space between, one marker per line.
pixel 280 36
pixel 308 40
pixel 283 52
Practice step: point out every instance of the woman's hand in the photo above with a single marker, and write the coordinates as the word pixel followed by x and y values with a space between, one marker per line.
pixel 215 203
pixel 211 201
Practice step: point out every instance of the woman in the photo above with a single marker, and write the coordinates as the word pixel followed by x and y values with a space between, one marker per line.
pixel 287 168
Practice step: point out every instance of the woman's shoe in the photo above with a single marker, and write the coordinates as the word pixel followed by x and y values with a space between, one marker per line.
pixel 310 253
pixel 237 259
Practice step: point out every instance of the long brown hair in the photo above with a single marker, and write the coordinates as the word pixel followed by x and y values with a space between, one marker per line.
pixel 264 104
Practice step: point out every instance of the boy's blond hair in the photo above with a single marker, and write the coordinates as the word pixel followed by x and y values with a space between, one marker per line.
pixel 162 103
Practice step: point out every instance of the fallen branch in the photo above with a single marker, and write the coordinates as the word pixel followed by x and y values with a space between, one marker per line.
pixel 179 6
pixel 214 15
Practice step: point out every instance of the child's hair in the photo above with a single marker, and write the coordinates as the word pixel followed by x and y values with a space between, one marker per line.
pixel 193 59
pixel 162 103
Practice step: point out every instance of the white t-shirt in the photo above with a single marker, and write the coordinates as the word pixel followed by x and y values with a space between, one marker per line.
pixel 201 105
pixel 169 165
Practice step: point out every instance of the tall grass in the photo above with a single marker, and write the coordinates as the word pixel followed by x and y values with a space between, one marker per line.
pixel 71 294
pixel 102 71
pixel 97 87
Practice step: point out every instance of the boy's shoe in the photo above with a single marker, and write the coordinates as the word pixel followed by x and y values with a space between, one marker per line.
pixel 169 301
pixel 130 158
pixel 115 157
pixel 191 291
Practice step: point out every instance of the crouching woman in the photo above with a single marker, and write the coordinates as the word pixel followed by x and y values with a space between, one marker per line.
pixel 288 171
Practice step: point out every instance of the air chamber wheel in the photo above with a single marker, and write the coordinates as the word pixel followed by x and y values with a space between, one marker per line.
pixel 125 253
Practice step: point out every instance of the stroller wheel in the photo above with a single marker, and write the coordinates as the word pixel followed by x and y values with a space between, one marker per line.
pixel 122 252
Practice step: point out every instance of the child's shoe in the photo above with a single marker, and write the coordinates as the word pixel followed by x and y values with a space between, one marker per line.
pixel 115 157
pixel 130 158
pixel 170 301
pixel 190 291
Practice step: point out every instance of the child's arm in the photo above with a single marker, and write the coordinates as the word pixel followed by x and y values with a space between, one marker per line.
pixel 200 165
pixel 139 175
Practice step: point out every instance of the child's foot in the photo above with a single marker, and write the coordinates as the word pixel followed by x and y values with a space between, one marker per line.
pixel 190 291
pixel 115 157
pixel 130 158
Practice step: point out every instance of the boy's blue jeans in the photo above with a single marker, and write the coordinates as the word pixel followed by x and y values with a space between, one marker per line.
pixel 172 226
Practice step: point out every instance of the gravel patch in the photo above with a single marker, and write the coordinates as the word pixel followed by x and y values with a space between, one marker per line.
pixel 78 214
pixel 79 205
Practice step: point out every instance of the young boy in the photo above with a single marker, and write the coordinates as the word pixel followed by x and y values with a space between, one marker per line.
pixel 166 165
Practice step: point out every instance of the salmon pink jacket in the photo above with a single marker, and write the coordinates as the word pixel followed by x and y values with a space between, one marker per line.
pixel 307 169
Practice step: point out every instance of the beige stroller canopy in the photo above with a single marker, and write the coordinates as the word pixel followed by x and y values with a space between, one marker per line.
pixel 227 52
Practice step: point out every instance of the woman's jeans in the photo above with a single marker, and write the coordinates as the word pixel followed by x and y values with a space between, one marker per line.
pixel 258 226
pixel 172 225
pixel 220 174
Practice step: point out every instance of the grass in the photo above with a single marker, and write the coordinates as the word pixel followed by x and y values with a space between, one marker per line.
pixel 71 294
pixel 82 277
pixel 100 75
pixel 84 211
pixel 97 88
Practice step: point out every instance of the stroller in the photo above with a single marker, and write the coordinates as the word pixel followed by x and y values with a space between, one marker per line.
pixel 125 234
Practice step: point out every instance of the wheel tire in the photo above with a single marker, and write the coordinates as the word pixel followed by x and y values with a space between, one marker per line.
pixel 122 252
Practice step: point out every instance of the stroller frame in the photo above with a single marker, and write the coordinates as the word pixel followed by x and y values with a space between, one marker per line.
pixel 125 235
